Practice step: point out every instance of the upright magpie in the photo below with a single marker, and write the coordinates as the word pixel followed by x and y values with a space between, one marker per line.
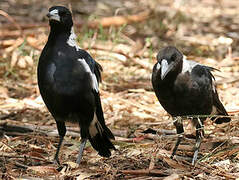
pixel 186 88
pixel 68 80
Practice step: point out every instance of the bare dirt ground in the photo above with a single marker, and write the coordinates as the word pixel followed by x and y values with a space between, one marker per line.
pixel 124 37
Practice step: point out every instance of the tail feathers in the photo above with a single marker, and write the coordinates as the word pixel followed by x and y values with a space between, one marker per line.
pixel 101 142
pixel 220 112
pixel 99 137
pixel 220 120
pixel 108 133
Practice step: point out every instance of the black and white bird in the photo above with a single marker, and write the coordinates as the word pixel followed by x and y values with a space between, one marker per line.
pixel 68 80
pixel 186 88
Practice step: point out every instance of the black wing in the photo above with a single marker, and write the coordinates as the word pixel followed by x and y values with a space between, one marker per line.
pixel 96 69
pixel 220 109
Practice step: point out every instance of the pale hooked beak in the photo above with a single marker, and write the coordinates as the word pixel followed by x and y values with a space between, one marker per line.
pixel 53 15
pixel 166 68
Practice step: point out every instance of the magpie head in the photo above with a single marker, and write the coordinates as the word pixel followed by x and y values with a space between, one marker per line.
pixel 170 61
pixel 60 16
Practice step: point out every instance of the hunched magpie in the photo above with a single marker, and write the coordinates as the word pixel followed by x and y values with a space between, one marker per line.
pixel 68 80
pixel 186 88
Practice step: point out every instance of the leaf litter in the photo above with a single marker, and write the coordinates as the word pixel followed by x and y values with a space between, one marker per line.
pixel 127 53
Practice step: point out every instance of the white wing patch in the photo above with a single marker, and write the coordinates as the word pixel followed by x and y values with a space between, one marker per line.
pixel 213 85
pixel 72 40
pixel 95 127
pixel 188 65
pixel 94 81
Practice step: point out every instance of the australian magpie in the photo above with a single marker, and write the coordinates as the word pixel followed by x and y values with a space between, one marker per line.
pixel 68 80
pixel 186 88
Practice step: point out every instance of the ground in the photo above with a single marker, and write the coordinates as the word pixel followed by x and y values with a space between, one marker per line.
pixel 124 37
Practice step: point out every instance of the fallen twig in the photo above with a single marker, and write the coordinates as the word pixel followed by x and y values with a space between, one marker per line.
pixel 11 19
pixel 119 20
pixel 153 172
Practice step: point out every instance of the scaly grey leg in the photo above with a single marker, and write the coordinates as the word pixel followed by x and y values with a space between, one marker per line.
pixel 178 123
pixel 199 136
pixel 62 131
pixel 82 146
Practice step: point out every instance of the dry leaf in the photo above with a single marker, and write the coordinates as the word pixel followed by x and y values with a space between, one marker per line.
pixel 84 175
pixel 14 58
pixel 172 177
pixel 36 154
pixel 174 164
pixel 43 169
pixel 29 60
pixel 22 62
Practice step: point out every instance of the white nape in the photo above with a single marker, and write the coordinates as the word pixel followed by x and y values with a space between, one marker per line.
pixel 188 65
pixel 72 40
pixel 94 81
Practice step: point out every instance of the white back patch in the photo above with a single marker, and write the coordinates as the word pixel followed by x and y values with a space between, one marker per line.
pixel 94 82
pixel 188 65
pixel 72 40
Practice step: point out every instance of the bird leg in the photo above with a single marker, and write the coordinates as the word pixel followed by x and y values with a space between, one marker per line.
pixel 199 136
pixel 56 159
pixel 62 131
pixel 82 146
pixel 178 123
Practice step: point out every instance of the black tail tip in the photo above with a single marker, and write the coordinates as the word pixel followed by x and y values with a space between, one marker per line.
pixel 105 153
pixel 222 120
pixel 102 144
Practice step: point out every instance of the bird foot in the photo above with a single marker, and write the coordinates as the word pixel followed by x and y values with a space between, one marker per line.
pixel 56 161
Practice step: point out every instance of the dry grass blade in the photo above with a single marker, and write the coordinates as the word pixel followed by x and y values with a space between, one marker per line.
pixel 11 19
pixel 124 36
pixel 153 172
pixel 120 20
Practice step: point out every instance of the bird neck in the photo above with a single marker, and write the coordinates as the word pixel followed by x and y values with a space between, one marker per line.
pixel 169 80
pixel 59 34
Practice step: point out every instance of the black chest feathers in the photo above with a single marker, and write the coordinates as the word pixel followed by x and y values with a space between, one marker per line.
pixel 187 94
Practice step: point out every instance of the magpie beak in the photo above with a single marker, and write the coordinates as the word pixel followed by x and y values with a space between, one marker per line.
pixel 53 15
pixel 166 68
